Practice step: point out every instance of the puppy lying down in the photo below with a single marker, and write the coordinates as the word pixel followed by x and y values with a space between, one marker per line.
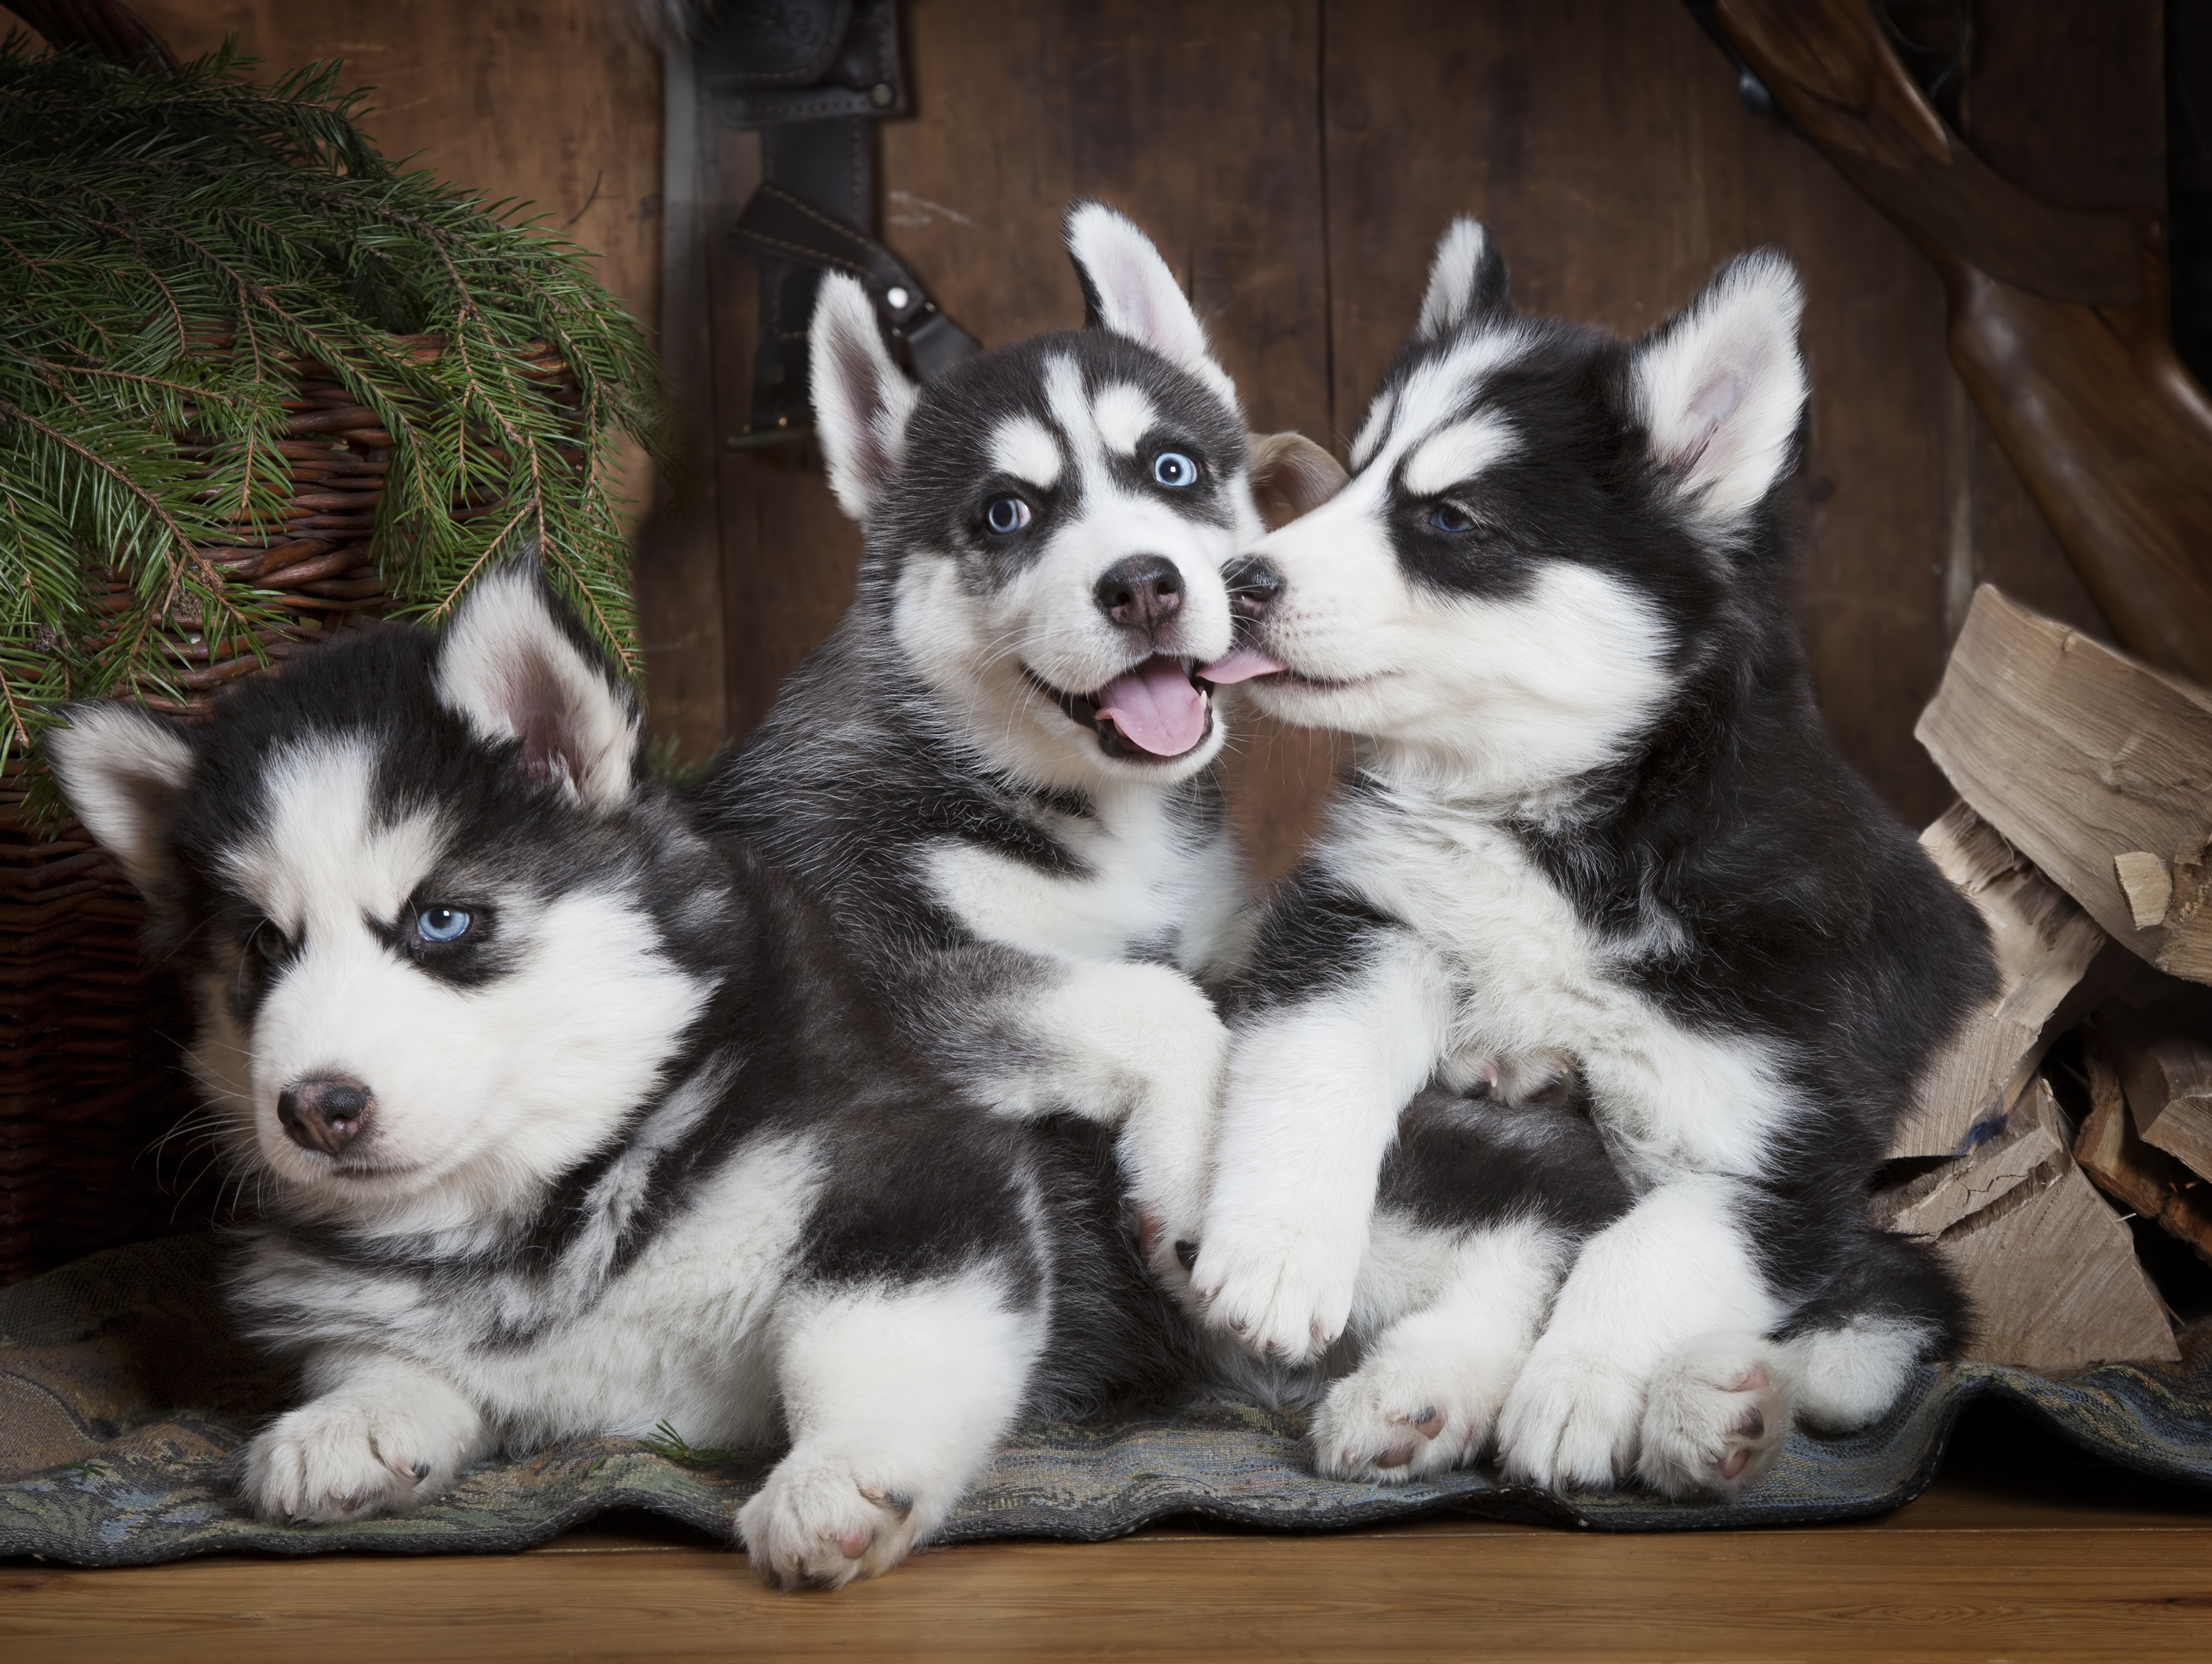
pixel 563 1120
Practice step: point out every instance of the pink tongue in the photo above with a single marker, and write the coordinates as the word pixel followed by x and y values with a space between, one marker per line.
pixel 1241 664
pixel 1154 706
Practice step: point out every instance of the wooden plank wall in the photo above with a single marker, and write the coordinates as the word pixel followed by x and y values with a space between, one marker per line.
pixel 1296 160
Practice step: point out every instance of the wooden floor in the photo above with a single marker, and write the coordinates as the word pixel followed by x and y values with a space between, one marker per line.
pixel 2019 1552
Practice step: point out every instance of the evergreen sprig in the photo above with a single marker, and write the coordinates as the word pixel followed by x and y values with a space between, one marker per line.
pixel 168 244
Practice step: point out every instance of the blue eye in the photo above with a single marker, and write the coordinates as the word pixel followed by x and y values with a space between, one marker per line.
pixel 441 924
pixel 1172 468
pixel 1006 515
pixel 1450 517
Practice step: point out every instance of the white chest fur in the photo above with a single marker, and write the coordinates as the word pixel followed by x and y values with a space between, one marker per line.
pixel 1152 886
pixel 1527 974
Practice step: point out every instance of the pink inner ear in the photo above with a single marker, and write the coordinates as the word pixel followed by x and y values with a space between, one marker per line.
pixel 1711 405
pixel 541 746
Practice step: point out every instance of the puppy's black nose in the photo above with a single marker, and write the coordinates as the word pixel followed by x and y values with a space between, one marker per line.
pixel 1140 591
pixel 1253 583
pixel 322 1114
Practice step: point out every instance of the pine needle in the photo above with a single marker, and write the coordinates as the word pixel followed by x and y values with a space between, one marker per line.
pixel 168 243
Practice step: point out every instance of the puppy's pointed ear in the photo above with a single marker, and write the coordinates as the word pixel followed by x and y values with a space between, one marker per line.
pixel 1466 280
pixel 516 664
pixel 1292 476
pixel 1127 288
pixel 123 773
pixel 1722 386
pixel 862 400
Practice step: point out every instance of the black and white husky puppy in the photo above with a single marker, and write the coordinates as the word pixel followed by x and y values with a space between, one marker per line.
pixel 1595 813
pixel 996 772
pixel 565 1119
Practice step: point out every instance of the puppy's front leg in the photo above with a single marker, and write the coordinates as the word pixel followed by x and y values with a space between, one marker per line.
pixel 1427 1392
pixel 1315 1086
pixel 1137 1047
pixel 381 1434
pixel 895 1397
pixel 1653 1360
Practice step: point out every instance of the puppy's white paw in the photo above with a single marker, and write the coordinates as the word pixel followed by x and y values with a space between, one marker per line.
pixel 340 1458
pixel 821 1520
pixel 1717 1412
pixel 1384 1422
pixel 1283 1290
pixel 1572 1421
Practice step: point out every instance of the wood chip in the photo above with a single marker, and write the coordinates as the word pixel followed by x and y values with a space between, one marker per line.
pixel 2080 755
pixel 2148 883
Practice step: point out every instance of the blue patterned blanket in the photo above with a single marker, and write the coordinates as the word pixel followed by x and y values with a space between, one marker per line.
pixel 125 1398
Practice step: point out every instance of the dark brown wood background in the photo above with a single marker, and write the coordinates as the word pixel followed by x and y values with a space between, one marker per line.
pixel 1296 160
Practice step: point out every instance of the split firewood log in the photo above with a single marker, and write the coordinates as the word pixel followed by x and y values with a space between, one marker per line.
pixel 2095 767
pixel 2138 1175
pixel 2158 1037
pixel 2048 1265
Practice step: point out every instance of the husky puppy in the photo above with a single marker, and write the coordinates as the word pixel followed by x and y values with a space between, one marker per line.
pixel 1594 811
pixel 564 1119
pixel 995 772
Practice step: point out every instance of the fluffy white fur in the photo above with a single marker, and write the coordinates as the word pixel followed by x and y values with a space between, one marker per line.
pixel 1135 1044
pixel 123 772
pixel 862 400
pixel 1435 1373
pixel 972 650
pixel 1671 1275
pixel 1723 387
pixel 508 670
pixel 1023 447
pixel 1138 296
pixel 1452 277
pixel 1311 1106
pixel 585 1021
pixel 893 1399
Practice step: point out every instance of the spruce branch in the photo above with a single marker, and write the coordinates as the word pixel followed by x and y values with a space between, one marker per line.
pixel 175 252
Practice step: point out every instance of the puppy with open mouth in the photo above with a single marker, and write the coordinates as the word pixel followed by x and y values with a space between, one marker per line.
pixel 996 772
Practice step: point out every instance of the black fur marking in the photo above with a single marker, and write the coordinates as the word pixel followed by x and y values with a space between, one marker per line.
pixel 1314 936
pixel 1459 1162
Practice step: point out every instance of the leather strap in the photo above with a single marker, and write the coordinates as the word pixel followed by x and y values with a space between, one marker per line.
pixel 813 75
pixel 779 225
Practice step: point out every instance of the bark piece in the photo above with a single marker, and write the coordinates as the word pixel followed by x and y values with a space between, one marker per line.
pixel 2050 1269
pixel 2044 942
pixel 2081 756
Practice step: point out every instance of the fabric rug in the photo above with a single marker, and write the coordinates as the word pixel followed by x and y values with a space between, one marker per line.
pixel 125 1398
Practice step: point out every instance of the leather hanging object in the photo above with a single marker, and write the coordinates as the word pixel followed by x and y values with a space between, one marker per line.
pixel 813 76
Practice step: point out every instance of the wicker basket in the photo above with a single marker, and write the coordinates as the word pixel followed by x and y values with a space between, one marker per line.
pixel 90 1085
